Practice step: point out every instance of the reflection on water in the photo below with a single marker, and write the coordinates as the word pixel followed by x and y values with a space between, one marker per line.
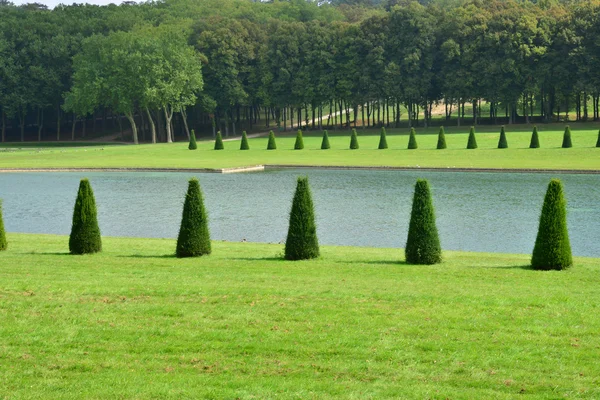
pixel 493 212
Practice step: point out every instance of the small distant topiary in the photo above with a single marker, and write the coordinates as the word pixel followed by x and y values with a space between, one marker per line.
pixel 472 143
pixel 502 143
pixel 382 140
pixel 299 145
pixel 535 140
pixel 3 242
pixel 302 242
pixel 193 145
pixel 567 138
pixel 412 140
pixel 271 145
pixel 598 141
pixel 194 237
pixel 552 247
pixel 353 140
pixel 219 142
pixel 423 243
pixel 244 144
pixel 325 142
pixel 85 233
pixel 441 144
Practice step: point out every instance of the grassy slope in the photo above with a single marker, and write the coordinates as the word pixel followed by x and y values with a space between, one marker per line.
pixel 550 156
pixel 134 322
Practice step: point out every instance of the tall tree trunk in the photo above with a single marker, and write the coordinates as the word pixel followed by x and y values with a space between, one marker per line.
pixel 185 124
pixel 22 124
pixel 3 126
pixel 152 127
pixel 40 123
pixel 131 119
pixel 58 115
pixel 168 117
pixel 73 128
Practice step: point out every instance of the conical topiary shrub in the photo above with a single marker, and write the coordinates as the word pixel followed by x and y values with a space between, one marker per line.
pixel 567 138
pixel 423 243
pixel 244 145
pixel 194 237
pixel 472 143
pixel 412 140
pixel 299 145
pixel 219 142
pixel 552 247
pixel 598 141
pixel 85 233
pixel 3 242
pixel 441 144
pixel 271 145
pixel 535 140
pixel 325 142
pixel 382 140
pixel 502 143
pixel 193 145
pixel 302 242
pixel 353 140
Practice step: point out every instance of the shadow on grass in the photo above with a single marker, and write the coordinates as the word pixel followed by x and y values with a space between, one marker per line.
pixel 379 262
pixel 37 253
pixel 147 256
pixel 523 267
pixel 273 258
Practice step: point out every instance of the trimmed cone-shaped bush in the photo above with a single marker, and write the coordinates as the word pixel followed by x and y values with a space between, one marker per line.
pixel 193 145
pixel 353 140
pixel 299 145
pixel 382 140
pixel 325 142
pixel 535 140
pixel 423 243
pixel 219 142
pixel 244 144
pixel 271 145
pixel 85 233
pixel 194 236
pixel 302 242
pixel 441 144
pixel 472 143
pixel 412 140
pixel 3 242
pixel 552 247
pixel 567 138
pixel 598 141
pixel 502 143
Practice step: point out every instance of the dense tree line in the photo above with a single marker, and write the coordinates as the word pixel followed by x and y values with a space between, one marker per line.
pixel 158 69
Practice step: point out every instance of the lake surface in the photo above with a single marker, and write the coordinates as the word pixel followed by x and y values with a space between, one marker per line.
pixel 490 212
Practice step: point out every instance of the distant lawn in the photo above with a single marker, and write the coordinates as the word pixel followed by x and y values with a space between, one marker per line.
pixel 550 156
pixel 134 322
pixel 44 145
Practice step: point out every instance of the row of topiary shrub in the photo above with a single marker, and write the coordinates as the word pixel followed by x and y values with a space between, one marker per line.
pixel 552 248
pixel 412 140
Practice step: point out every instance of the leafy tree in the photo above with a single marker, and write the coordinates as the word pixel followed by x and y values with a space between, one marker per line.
pixel 535 140
pixel 412 140
pixel 325 142
pixel 472 143
pixel 423 243
pixel 219 142
pixel 271 145
pixel 441 144
pixel 244 144
pixel 3 242
pixel 552 248
pixel 194 236
pixel 353 140
pixel 299 145
pixel 502 143
pixel 193 145
pixel 302 242
pixel 382 140
pixel 567 138
pixel 85 233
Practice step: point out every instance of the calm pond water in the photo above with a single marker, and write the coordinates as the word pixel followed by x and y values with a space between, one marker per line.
pixel 491 212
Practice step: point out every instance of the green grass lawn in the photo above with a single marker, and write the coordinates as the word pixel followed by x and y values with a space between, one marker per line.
pixel 134 322
pixel 583 155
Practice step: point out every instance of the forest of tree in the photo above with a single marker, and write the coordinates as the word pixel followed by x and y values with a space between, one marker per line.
pixel 159 69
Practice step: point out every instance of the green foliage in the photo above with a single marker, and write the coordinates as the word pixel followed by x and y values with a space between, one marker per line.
pixel 325 142
pixel 244 144
pixel 472 143
pixel 382 140
pixel 302 242
pixel 441 143
pixel 193 145
pixel 299 145
pixel 598 141
pixel 423 243
pixel 412 140
pixel 567 138
pixel 85 233
pixel 552 247
pixel 353 140
pixel 219 142
pixel 502 143
pixel 194 237
pixel 271 145
pixel 3 242
pixel 535 140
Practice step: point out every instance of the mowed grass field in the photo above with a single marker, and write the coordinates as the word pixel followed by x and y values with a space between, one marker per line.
pixel 584 155
pixel 134 322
